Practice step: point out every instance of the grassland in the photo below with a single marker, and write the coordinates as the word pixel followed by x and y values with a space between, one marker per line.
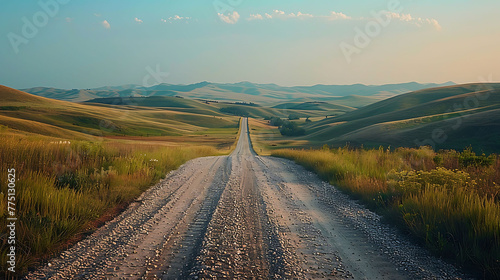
pixel 266 138
pixel 28 113
pixel 64 187
pixel 78 165
pixel 315 106
pixel 446 118
pixel 101 155
pixel 264 94
pixel 448 201
pixel 214 108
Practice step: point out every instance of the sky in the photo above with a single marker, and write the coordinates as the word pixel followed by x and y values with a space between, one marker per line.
pixel 94 43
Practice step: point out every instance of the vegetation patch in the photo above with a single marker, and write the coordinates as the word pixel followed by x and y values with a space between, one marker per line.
pixel 13 108
pixel 63 186
pixel 286 127
pixel 234 110
pixel 448 200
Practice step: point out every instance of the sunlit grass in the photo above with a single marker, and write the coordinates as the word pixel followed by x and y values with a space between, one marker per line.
pixel 62 186
pixel 449 200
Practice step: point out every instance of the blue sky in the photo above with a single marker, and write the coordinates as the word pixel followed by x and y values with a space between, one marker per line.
pixel 92 43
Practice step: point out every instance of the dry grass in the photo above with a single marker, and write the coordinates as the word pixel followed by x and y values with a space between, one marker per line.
pixel 63 186
pixel 266 138
pixel 449 200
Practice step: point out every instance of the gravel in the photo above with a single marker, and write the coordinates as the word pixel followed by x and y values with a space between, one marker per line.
pixel 245 217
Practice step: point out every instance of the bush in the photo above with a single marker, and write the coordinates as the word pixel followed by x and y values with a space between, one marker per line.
pixel 234 110
pixel 291 129
pixel 275 121
pixel 469 158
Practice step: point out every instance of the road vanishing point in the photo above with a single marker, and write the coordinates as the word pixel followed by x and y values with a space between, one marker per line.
pixel 244 216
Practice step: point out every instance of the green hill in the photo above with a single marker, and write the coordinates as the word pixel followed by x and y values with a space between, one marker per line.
pixel 446 117
pixel 167 102
pixel 216 108
pixel 26 113
pixel 263 94
pixel 315 106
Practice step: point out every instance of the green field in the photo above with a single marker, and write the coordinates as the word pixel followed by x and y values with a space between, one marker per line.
pixel 452 117
pixel 448 201
pixel 79 165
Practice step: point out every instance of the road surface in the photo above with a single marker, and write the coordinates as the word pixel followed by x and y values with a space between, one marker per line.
pixel 245 217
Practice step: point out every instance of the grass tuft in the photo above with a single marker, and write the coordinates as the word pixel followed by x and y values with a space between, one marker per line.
pixel 63 186
pixel 448 200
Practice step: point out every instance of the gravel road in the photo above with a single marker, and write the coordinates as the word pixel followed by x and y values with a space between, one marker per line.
pixel 245 217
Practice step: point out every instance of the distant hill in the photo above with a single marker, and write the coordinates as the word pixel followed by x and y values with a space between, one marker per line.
pixel 210 107
pixel 265 94
pixel 446 117
pixel 21 112
pixel 316 106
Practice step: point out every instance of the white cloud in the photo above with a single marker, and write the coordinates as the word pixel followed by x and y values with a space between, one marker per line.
pixel 230 18
pixel 278 14
pixel 434 23
pixel 175 18
pixel 138 20
pixel 106 24
pixel 255 17
pixel 414 20
pixel 301 15
pixel 69 20
pixel 97 15
pixel 337 15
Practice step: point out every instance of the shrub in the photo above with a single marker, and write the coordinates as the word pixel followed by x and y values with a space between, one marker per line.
pixel 469 158
pixel 234 110
pixel 275 121
pixel 291 129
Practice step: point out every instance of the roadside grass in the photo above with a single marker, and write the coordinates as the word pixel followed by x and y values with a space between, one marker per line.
pixel 266 138
pixel 63 186
pixel 448 200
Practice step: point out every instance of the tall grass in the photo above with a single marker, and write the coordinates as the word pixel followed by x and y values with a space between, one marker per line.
pixel 448 200
pixel 63 186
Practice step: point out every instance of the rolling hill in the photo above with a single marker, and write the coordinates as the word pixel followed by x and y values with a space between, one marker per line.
pixel 443 117
pixel 452 117
pixel 22 112
pixel 216 108
pixel 314 106
pixel 263 94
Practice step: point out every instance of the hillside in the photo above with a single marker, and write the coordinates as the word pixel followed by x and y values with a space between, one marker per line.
pixel 446 117
pixel 25 113
pixel 315 106
pixel 264 94
pixel 210 107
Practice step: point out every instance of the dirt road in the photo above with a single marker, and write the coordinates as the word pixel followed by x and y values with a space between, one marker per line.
pixel 245 217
